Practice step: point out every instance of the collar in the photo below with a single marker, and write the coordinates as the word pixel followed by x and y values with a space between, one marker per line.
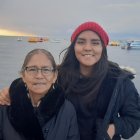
pixel 21 112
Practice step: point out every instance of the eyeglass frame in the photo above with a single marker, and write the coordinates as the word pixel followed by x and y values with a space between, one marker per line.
pixel 34 73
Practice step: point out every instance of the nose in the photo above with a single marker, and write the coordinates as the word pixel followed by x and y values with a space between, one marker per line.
pixel 39 73
pixel 88 46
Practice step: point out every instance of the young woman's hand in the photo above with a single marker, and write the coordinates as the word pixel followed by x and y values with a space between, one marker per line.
pixel 4 96
pixel 111 130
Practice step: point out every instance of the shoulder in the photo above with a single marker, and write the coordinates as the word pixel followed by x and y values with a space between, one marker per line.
pixel 68 105
pixel 116 71
pixel 129 86
pixel 119 78
pixel 128 94
pixel 68 108
pixel 66 113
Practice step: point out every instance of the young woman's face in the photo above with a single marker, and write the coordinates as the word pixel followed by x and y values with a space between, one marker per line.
pixel 88 49
pixel 38 74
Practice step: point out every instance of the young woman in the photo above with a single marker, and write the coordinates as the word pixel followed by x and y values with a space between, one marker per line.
pixel 106 100
pixel 38 109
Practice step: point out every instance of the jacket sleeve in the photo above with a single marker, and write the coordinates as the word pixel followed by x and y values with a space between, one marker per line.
pixel 73 130
pixel 128 121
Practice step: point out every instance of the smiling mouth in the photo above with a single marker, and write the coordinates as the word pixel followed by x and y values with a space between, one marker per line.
pixel 88 55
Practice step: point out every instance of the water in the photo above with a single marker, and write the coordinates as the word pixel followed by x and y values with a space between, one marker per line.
pixel 12 54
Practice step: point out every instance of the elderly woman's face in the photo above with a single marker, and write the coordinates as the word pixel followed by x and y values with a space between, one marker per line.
pixel 39 74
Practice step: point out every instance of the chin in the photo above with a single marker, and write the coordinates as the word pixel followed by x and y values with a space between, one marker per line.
pixel 40 92
pixel 88 64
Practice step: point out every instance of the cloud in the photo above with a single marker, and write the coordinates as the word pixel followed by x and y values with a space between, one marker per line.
pixel 51 17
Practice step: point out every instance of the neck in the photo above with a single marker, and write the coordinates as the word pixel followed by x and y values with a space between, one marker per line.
pixel 35 99
pixel 86 71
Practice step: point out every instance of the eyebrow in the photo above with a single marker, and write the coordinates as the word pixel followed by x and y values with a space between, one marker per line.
pixel 94 39
pixel 38 67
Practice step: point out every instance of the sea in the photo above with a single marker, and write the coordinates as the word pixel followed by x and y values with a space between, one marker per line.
pixel 13 52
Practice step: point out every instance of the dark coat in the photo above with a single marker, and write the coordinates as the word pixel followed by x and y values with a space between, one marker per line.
pixel 54 119
pixel 117 102
pixel 123 109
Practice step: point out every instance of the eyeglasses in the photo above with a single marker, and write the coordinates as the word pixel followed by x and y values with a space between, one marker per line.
pixel 32 70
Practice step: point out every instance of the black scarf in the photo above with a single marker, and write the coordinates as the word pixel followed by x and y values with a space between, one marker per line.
pixel 21 112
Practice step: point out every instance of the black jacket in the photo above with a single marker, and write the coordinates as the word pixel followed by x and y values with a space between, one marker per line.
pixel 123 101
pixel 123 110
pixel 54 119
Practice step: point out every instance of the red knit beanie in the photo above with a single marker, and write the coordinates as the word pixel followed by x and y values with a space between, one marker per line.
pixel 93 26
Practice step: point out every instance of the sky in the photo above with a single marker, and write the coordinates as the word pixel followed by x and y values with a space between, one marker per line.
pixel 120 18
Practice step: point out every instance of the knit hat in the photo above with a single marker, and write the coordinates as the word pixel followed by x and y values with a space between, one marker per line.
pixel 93 26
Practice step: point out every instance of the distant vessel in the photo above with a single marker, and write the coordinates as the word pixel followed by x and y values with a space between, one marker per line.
pixel 19 39
pixel 125 45
pixel 135 45
pixel 55 41
pixel 37 39
pixel 114 43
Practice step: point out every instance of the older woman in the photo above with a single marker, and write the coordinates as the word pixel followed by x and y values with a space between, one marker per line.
pixel 38 108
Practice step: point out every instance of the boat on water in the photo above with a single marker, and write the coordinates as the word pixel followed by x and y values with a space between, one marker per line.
pixel 55 41
pixel 37 39
pixel 125 45
pixel 19 38
pixel 135 45
pixel 114 43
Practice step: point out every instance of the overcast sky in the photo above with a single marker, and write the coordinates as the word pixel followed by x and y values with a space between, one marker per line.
pixel 120 18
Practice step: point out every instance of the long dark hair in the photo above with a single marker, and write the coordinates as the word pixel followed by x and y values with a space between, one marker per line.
pixel 69 74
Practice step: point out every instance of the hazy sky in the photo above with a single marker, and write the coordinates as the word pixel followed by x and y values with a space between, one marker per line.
pixel 120 18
